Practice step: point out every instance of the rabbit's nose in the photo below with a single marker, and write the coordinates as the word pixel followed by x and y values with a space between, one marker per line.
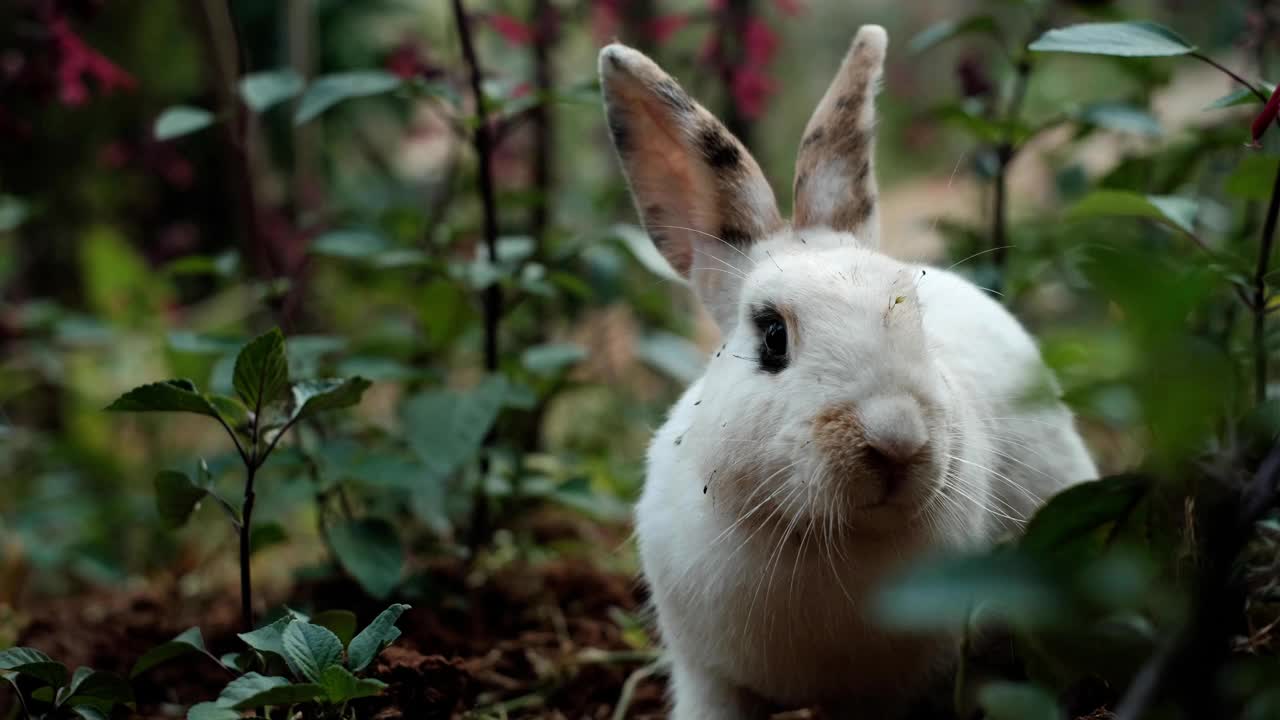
pixel 893 426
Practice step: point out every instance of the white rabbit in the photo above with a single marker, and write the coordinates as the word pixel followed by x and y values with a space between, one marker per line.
pixel 860 412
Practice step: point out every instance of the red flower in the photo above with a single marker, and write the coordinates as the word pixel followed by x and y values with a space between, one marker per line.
pixel 790 7
pixel 759 42
pixel 511 29
pixel 751 90
pixel 78 61
pixel 1266 118
pixel 662 28
pixel 606 16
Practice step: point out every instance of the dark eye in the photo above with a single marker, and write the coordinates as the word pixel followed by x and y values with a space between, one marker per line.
pixel 773 340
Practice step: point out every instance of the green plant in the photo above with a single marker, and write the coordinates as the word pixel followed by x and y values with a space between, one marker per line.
pixel 268 405
pixel 322 656
pixel 47 691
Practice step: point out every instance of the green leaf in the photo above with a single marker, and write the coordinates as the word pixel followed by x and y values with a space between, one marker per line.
pixel 341 686
pixel 1176 212
pixel 330 90
pixel 1018 701
pixel 310 649
pixel 446 428
pixel 167 396
pixel 941 593
pixel 945 30
pixel 637 242
pixel 1243 96
pixel 262 371
pixel 1077 520
pixel 1121 39
pixel 340 622
pixel 176 497
pixel 211 711
pixel 375 638
pixel 188 641
pixel 88 712
pixel 264 90
pixel 675 356
pixel 101 690
pixel 181 120
pixel 269 638
pixel 265 535
pixel 350 244
pixel 252 690
pixel 370 552
pixel 316 396
pixel 1120 118
pixel 1254 177
pixel 552 358
pixel 13 212
pixel 35 664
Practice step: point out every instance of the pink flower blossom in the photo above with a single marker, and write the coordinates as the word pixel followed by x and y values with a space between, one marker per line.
pixel 752 88
pixel 759 42
pixel 662 28
pixel 512 30
pixel 77 61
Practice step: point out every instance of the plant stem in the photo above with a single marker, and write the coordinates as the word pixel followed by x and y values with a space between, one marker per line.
pixel 543 123
pixel 246 525
pixel 732 30
pixel 1256 92
pixel 482 140
pixel 1005 154
pixel 1260 295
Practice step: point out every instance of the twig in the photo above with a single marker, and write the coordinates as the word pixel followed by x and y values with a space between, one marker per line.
pixel 1248 85
pixel 1200 648
pixel 1006 151
pixel 1259 306
pixel 543 120
pixel 483 143
pixel 734 16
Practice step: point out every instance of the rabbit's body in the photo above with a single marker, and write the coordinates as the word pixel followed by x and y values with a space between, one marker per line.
pixel 861 411
pixel 786 620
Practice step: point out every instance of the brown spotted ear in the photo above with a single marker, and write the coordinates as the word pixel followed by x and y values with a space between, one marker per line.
pixel 701 196
pixel 835 184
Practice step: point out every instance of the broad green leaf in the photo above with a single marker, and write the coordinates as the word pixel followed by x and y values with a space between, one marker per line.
pixel 13 212
pixel 1080 517
pixel 269 638
pixel 330 90
pixel 35 664
pixel 446 428
pixel 945 30
pixel 552 358
pixel 262 371
pixel 340 622
pixel 941 593
pixel 1177 212
pixel 375 638
pixel 316 396
pixel 248 687
pixel 101 690
pixel 283 695
pixel 231 410
pixel 341 686
pixel 369 550
pixel 1120 118
pixel 1018 701
pixel 182 120
pixel 675 356
pixel 351 244
pixel 1121 39
pixel 1243 96
pixel 167 396
pixel 211 711
pixel 264 90
pixel 265 535
pixel 637 242
pixel 188 641
pixel 176 497
pixel 1254 177
pixel 239 662
pixel 88 712
pixel 310 649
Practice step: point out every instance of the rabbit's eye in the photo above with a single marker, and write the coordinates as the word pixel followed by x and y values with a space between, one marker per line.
pixel 773 340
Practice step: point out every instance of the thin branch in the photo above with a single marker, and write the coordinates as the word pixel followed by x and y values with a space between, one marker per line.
pixel 1248 85
pixel 1260 295
pixel 1005 153
pixel 482 141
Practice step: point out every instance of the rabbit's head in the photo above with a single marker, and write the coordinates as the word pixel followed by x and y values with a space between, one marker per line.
pixel 824 401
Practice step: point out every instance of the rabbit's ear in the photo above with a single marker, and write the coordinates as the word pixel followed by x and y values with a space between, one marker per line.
pixel 835 183
pixel 701 196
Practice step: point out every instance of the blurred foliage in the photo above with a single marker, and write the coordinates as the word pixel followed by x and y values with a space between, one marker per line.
pixel 175 181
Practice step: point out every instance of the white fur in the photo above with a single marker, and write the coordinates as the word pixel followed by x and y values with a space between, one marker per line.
pixel 759 613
